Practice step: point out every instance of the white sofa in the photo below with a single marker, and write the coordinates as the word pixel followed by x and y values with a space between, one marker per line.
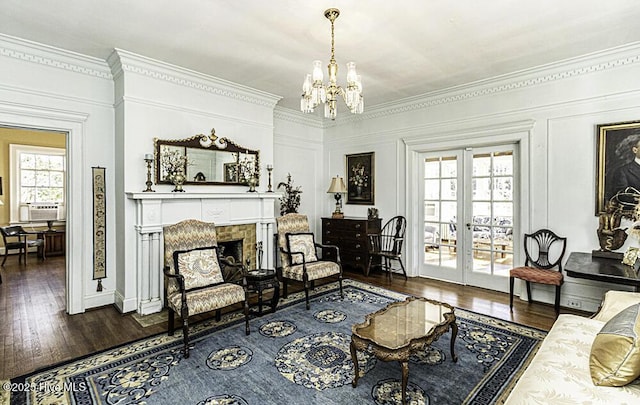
pixel 559 372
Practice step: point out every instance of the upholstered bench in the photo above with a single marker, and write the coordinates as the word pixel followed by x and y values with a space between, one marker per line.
pixel 560 372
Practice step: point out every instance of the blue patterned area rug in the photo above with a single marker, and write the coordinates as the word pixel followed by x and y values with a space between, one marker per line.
pixel 293 356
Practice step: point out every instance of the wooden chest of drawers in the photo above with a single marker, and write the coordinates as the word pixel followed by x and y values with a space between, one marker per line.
pixel 350 235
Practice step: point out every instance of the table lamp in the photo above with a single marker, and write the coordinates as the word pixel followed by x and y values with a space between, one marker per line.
pixel 338 187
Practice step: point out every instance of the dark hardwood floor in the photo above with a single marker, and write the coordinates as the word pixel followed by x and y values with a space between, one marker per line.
pixel 36 332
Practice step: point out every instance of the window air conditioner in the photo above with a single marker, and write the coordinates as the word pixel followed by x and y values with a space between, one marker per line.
pixel 44 212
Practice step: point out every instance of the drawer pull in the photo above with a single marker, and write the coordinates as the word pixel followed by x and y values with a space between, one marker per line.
pixel 357 235
pixel 358 258
pixel 358 246
pixel 358 226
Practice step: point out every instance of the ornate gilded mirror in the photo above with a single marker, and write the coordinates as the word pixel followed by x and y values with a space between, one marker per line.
pixel 205 159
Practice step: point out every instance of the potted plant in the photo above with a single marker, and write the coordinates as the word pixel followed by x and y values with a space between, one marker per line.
pixel 290 200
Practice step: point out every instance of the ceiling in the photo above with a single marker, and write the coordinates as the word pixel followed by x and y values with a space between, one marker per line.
pixel 402 48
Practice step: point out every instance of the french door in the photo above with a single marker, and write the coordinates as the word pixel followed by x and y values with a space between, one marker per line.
pixel 468 211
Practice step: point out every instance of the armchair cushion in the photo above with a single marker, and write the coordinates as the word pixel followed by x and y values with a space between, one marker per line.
pixel 209 298
pixel 615 353
pixel 199 267
pixel 315 270
pixel 301 243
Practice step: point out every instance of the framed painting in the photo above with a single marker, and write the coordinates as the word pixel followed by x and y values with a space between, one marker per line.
pixel 231 172
pixel 361 179
pixel 618 145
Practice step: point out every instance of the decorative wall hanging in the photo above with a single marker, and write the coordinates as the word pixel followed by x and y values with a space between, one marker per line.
pixel 617 147
pixel 99 226
pixel 360 179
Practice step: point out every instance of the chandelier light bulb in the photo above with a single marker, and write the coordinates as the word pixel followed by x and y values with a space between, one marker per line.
pixel 351 72
pixel 318 76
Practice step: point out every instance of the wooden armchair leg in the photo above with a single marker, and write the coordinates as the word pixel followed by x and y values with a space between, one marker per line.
pixel 529 292
pixel 218 315
pixel 185 332
pixel 247 331
pixel 557 306
pixel 305 281
pixel 511 280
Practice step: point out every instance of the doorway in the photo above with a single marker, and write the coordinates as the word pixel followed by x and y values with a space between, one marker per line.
pixel 468 210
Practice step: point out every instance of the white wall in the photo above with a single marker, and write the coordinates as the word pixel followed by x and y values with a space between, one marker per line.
pixel 159 100
pixel 563 102
pixel 44 87
pixel 298 151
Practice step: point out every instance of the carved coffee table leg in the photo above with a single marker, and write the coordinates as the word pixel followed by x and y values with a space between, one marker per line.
pixel 405 378
pixel 454 333
pixel 354 358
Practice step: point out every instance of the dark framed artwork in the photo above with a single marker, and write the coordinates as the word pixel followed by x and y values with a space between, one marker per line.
pixel 618 144
pixel 361 179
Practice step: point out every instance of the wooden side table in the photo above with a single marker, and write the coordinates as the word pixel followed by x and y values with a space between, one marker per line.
pixel 260 280
pixel 54 242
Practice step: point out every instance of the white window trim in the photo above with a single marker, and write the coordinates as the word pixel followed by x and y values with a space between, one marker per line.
pixel 14 204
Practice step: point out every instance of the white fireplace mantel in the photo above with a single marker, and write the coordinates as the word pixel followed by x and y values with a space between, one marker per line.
pixel 154 210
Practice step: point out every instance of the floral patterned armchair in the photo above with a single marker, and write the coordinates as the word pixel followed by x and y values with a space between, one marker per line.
pixel 197 279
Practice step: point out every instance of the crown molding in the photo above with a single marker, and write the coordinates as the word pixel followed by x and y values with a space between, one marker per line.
pixel 46 55
pixel 297 117
pixel 124 61
pixel 609 59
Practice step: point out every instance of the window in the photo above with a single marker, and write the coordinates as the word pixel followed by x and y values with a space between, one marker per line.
pixel 37 176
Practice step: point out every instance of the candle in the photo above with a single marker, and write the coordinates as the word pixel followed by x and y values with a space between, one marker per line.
pixel 148 156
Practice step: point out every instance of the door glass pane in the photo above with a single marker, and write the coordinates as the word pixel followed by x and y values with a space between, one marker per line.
pixel 481 188
pixel 431 189
pixel 492 207
pixel 440 207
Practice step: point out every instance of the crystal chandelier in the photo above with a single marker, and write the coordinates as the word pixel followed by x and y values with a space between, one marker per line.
pixel 314 91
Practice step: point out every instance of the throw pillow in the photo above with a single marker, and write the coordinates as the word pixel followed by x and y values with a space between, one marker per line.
pixel 199 267
pixel 615 353
pixel 301 243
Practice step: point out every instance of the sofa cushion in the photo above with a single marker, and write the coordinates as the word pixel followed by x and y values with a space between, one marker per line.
pixel 304 243
pixel 615 353
pixel 199 267
pixel 614 302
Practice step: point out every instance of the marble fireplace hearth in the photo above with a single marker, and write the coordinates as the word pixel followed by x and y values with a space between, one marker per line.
pixel 238 216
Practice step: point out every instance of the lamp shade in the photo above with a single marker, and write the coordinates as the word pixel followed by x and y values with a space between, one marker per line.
pixel 337 185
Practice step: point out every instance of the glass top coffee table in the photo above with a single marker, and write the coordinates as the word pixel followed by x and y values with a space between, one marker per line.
pixel 401 329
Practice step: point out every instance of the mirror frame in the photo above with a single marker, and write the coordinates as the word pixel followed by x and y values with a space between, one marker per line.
pixel 206 142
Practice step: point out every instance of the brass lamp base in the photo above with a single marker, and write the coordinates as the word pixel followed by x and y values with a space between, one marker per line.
pixel 337 215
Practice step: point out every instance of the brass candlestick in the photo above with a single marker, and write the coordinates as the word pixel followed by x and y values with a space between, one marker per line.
pixel 270 169
pixel 149 159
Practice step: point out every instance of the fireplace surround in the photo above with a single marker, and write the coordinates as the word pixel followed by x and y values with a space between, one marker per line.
pixel 246 216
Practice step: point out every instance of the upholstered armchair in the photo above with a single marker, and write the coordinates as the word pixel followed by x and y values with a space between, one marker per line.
pixel 299 256
pixel 197 279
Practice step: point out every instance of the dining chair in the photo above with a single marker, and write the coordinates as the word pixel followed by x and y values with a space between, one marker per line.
pixel 16 238
pixel 538 267
pixel 387 245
